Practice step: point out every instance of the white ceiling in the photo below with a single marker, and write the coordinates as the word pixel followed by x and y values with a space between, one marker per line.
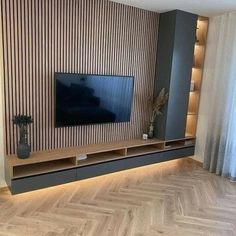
pixel 200 7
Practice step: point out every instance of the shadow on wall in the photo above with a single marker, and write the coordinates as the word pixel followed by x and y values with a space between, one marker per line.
pixel 2 151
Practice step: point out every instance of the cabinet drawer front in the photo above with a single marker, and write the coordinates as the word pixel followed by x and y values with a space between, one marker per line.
pixel 42 181
pixel 99 169
pixel 158 157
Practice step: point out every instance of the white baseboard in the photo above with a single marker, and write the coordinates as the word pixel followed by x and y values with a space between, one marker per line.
pixel 2 183
pixel 197 158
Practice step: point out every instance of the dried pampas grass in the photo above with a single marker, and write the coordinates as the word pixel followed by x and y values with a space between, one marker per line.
pixel 157 104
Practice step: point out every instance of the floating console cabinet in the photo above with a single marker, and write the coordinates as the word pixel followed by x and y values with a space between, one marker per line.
pixel 53 167
pixel 177 35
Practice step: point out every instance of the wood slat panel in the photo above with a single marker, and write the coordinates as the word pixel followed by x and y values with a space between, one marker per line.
pixel 41 37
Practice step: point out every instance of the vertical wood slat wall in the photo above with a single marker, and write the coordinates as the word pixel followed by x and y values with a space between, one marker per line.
pixel 41 37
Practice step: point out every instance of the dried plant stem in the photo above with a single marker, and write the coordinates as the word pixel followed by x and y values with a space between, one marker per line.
pixel 157 104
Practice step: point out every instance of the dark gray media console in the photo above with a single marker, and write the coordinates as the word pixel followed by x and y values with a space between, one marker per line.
pixel 50 168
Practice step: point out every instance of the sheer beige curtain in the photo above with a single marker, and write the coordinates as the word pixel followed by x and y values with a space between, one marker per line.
pixel 219 97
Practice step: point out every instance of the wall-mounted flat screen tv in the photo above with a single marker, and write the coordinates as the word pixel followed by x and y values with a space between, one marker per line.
pixel 92 99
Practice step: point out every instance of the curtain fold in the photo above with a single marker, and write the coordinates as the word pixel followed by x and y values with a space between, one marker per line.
pixel 220 148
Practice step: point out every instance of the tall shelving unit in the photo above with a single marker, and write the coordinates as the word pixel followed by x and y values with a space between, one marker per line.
pixel 176 41
pixel 197 73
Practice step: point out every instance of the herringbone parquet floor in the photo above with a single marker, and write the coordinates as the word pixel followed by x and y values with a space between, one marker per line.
pixel 175 198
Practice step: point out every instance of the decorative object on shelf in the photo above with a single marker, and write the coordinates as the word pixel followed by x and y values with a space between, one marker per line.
pixel 81 157
pixel 23 148
pixel 192 86
pixel 196 38
pixel 151 130
pixel 145 136
pixel 157 103
pixel 189 142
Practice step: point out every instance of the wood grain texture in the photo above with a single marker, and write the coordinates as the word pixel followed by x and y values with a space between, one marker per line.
pixel 41 37
pixel 57 154
pixel 174 198
pixel 66 158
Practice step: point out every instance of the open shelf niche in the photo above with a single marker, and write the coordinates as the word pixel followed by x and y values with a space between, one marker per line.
pixel 176 144
pixel 196 80
pixel 43 167
pixel 104 156
pixel 145 149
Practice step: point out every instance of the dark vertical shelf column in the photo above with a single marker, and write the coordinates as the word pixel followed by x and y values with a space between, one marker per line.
pixel 177 32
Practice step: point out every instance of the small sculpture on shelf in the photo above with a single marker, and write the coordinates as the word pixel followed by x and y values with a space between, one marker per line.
pixel 157 103
pixel 23 148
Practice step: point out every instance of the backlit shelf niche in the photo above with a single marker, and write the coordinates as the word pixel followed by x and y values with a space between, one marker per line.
pixel 196 80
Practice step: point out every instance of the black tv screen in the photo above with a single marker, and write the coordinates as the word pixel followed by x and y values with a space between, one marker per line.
pixel 92 99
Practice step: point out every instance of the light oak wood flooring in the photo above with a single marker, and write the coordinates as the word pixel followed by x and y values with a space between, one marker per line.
pixel 175 198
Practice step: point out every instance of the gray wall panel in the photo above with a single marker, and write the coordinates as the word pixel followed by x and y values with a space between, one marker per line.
pixel 174 68
pixel 165 49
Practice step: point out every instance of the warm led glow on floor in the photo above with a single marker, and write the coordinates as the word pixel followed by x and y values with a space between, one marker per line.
pixel 92 182
pixel 172 198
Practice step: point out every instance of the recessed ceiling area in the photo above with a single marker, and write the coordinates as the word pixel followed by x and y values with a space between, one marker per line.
pixel 200 7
